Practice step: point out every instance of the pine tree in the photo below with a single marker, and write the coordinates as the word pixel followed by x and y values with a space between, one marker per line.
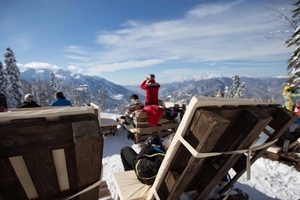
pixel 14 88
pixel 237 90
pixel 3 79
pixel 294 40
pixel 53 83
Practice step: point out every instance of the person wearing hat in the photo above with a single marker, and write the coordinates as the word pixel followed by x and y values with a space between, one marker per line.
pixel 140 163
pixel 135 104
pixel 29 102
pixel 152 89
pixel 288 96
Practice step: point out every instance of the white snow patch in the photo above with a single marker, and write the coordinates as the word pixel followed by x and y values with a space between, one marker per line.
pixel 118 96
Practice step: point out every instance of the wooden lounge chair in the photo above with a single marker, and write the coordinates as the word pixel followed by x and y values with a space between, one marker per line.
pixel 142 129
pixel 211 139
pixel 50 154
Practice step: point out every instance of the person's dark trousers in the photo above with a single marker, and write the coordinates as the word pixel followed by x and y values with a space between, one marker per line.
pixel 128 156
pixel 129 120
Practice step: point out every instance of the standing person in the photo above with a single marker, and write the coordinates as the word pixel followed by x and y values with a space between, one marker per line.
pixel 61 100
pixel 29 102
pixel 3 103
pixel 135 104
pixel 152 89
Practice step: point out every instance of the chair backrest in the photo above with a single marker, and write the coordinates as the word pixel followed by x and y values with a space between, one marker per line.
pixel 216 125
pixel 96 109
pixel 50 154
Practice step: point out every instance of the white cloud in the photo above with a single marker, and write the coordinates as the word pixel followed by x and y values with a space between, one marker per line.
pixel 76 49
pixel 39 65
pixel 74 68
pixel 209 32
pixel 211 9
pixel 111 67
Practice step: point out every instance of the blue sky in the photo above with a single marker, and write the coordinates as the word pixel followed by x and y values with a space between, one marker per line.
pixel 125 40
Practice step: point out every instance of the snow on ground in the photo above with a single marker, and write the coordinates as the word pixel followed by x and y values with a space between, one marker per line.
pixel 269 179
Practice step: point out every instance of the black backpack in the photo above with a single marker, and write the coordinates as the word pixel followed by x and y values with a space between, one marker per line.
pixel 146 168
pixel 172 112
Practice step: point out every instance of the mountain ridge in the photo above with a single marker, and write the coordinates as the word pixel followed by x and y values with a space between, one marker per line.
pixel 116 96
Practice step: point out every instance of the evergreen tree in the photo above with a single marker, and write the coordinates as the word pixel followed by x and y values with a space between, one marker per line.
pixel 53 83
pixel 43 100
pixel 294 40
pixel 3 79
pixel 237 90
pixel 14 88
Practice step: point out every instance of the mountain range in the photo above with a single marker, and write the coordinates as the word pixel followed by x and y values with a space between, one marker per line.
pixel 114 97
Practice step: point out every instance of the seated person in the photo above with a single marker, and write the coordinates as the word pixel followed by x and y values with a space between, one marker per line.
pixel 3 103
pixel 61 100
pixel 134 105
pixel 152 154
pixel 29 102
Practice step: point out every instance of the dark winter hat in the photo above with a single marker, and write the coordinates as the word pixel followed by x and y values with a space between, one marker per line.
pixel 59 95
pixel 134 96
pixel 152 76
pixel 153 140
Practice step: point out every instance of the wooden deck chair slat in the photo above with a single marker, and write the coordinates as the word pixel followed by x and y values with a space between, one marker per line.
pixel 10 186
pixel 88 154
pixel 41 162
pixel 72 171
pixel 282 119
pixel 213 127
pixel 230 140
pixel 30 138
pixel 247 129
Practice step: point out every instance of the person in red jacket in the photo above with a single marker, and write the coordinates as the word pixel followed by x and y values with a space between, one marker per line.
pixel 152 89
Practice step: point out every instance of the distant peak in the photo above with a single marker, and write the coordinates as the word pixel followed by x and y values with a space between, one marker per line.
pixel 206 76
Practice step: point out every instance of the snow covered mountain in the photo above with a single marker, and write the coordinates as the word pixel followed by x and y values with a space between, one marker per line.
pixel 115 97
pixel 88 88
pixel 258 88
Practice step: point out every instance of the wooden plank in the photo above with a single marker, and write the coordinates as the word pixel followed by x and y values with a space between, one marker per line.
pixel 210 126
pixel 88 156
pixel 10 187
pixel 38 163
pixel 243 133
pixel 72 170
pixel 282 119
pixel 145 119
pixel 160 123
pixel 16 141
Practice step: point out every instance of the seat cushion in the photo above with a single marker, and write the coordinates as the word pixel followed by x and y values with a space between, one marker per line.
pixel 129 187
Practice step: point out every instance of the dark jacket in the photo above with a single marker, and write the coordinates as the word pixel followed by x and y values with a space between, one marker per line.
pixel 148 162
pixel 29 104
pixel 61 102
pixel 152 89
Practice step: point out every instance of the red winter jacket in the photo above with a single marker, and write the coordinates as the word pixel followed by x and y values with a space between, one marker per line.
pixel 151 88
pixel 154 112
